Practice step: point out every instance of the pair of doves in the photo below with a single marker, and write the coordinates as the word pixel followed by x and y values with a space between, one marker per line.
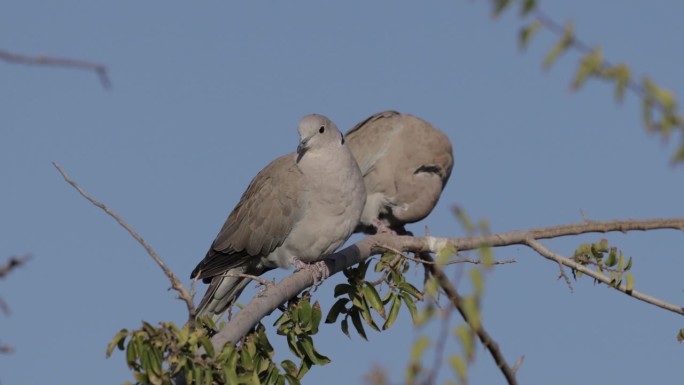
pixel 388 170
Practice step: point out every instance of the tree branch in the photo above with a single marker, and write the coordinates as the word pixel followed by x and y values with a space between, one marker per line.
pixel 456 300
pixel 183 294
pixel 289 287
pixel 99 69
pixel 12 264
pixel 548 254
pixel 274 296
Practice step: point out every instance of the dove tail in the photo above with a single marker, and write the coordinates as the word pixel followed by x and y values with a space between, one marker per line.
pixel 223 291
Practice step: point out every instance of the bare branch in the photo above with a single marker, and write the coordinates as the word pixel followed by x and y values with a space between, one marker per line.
pixel 456 300
pixel 546 253
pixel 99 69
pixel 183 294
pixel 12 264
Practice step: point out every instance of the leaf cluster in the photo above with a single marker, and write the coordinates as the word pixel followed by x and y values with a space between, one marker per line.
pixel 358 297
pixel 163 355
pixel 609 261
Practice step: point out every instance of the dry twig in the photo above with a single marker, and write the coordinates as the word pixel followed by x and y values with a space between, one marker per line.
pixel 183 294
pixel 99 69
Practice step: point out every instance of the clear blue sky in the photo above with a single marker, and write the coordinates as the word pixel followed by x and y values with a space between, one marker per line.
pixel 206 94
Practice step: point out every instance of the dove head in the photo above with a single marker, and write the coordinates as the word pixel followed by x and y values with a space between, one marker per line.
pixel 317 133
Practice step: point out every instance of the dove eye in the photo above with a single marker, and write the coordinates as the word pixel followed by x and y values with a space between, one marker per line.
pixel 321 130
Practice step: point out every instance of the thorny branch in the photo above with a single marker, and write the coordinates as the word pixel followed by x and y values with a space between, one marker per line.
pixel 99 69
pixel 176 284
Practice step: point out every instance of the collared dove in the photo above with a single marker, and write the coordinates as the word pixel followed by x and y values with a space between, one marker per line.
pixel 405 162
pixel 299 208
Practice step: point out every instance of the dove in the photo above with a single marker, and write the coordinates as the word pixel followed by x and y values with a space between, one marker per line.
pixel 297 210
pixel 405 162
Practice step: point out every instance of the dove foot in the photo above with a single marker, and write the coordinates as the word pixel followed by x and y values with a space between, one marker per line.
pixel 319 271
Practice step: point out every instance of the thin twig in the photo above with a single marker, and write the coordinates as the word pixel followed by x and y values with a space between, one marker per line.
pixel 183 294
pixel 546 253
pixel 461 260
pixel 99 69
pixel 439 347
pixel 564 275
pixel 12 264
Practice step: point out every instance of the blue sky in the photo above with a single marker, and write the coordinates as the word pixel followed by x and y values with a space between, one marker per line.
pixel 204 95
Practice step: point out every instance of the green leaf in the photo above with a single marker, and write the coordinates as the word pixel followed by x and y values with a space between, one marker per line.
pixel 418 348
pixel 312 354
pixel 528 6
pixel 336 309
pixel 246 360
pixel 612 257
pixel 198 374
pixel 413 310
pixel 410 289
pixel 294 348
pixel 292 380
pixel 680 335
pixel 316 316
pixel 290 367
pixel 304 311
pixel 459 366
pixel 629 264
pixel 356 321
pixel 472 312
pixel 622 77
pixel 345 327
pixel 262 340
pixel 373 298
pixel 118 340
pixel 630 282
pixel 344 288
pixel 560 47
pixel 207 345
pixel 590 65
pixel 367 316
pixel 526 34
pixel 500 6
pixel 431 288
pixel 394 311
pixel 465 337
pixel 478 281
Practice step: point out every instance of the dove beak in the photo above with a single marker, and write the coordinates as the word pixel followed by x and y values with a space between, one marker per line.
pixel 302 148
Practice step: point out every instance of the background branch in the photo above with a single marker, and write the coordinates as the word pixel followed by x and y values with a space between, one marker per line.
pixel 456 300
pixel 183 294
pixel 546 253
pixel 99 69
pixel 12 264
